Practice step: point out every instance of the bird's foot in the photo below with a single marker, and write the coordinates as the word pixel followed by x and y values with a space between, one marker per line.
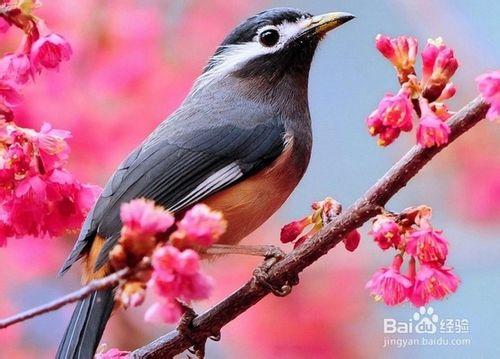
pixel 261 277
pixel 272 255
pixel 185 327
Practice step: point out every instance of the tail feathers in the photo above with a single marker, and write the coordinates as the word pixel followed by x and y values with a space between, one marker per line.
pixel 87 324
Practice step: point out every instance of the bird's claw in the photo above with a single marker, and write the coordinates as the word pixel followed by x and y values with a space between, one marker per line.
pixel 215 337
pixel 274 252
pixel 185 324
pixel 185 327
pixel 260 277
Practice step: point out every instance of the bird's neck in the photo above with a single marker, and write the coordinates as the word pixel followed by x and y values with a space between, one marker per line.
pixel 286 98
pixel 287 94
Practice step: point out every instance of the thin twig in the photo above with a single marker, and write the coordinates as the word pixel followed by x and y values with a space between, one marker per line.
pixel 95 285
pixel 296 261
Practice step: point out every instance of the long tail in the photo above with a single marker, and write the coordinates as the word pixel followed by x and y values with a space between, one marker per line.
pixel 85 329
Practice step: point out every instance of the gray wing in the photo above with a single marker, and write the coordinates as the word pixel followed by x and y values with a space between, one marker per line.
pixel 178 166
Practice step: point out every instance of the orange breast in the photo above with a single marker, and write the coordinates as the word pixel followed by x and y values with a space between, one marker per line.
pixel 248 204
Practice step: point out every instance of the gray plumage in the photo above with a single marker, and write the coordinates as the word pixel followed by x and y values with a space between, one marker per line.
pixel 182 152
pixel 246 110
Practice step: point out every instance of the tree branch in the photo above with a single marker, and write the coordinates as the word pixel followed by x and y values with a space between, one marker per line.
pixel 210 322
pixel 95 285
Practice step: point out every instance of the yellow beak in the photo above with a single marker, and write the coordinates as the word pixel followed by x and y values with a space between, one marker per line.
pixel 321 24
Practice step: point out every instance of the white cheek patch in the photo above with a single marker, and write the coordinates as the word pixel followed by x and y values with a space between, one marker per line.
pixel 233 57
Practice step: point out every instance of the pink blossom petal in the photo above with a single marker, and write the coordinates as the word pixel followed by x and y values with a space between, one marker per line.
pixel 164 312
pixel 488 85
pixel 48 52
pixel 202 226
pixel 113 354
pixel 385 232
pixel 428 246
pixel 142 217
pixel 389 284
pixel 432 131
pixel 433 283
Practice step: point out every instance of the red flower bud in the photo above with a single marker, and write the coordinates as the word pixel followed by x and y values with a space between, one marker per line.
pixel 352 240
pixel 292 230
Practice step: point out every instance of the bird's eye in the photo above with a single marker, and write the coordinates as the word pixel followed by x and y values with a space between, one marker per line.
pixel 269 37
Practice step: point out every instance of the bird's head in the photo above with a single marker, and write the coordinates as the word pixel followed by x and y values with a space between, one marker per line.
pixel 270 46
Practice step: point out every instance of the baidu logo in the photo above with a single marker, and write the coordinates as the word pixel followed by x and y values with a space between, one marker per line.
pixel 425 327
pixel 423 321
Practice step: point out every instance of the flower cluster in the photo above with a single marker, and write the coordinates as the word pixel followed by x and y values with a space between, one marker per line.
pixel 489 86
pixel 323 212
pixel 395 113
pixel 39 198
pixel 200 227
pixel 410 233
pixel 174 273
pixel 40 49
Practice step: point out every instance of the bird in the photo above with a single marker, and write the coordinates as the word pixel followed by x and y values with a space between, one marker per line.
pixel 240 142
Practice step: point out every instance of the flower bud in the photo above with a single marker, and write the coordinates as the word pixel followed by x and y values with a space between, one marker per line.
pixel 439 65
pixel 386 232
pixel 401 51
pixel 292 230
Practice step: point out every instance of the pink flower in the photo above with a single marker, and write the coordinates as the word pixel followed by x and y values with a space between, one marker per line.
pixel 431 130
pixel 396 111
pixel 432 283
pixel 140 217
pixel 69 202
pixel 439 62
pixel 6 115
pixel 351 241
pixel 113 354
pixel 439 65
pixel 9 93
pixel 386 134
pixel 18 159
pixel 39 198
pixel 167 311
pixel 132 293
pixel 385 232
pixel 488 85
pixel 52 145
pixel 389 284
pixel 428 246
pixel 16 68
pixel 4 25
pixel 401 51
pixel 449 91
pixel 393 115
pixel 175 275
pixel 292 230
pixel 48 52
pixel 5 228
pixel 441 111
pixel 201 226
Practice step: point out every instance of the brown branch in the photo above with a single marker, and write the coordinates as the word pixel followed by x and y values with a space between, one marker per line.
pixel 95 285
pixel 210 322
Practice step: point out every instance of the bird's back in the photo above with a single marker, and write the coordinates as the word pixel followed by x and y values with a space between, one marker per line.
pixel 213 141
